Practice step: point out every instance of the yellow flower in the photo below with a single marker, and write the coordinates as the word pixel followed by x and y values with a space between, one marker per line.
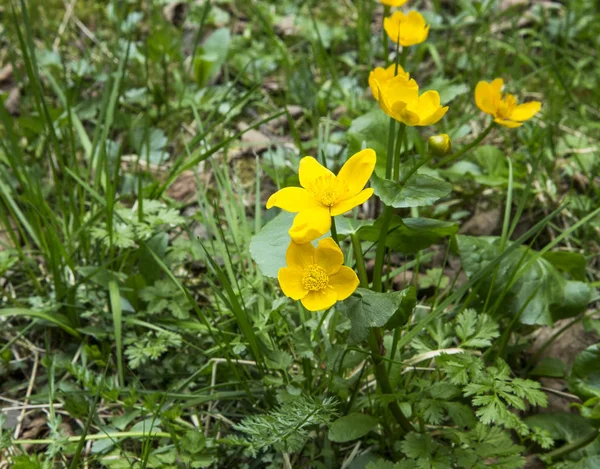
pixel 380 77
pixel 316 276
pixel 506 111
pixel 440 145
pixel 407 30
pixel 393 3
pixel 324 195
pixel 399 98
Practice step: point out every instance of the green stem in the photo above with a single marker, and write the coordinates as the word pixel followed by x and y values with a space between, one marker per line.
pixel 383 380
pixel 334 234
pixel 360 261
pixel 97 436
pixel 466 148
pixel 570 447
pixel 386 54
pixel 380 253
pixel 415 168
pixel 399 140
pixel 390 156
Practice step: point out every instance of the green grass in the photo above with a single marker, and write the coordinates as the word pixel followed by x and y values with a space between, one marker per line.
pixel 138 328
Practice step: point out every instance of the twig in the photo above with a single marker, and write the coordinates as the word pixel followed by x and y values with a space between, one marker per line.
pixel 63 24
pixel 29 391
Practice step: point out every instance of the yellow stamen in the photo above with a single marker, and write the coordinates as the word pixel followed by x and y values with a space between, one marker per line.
pixel 315 278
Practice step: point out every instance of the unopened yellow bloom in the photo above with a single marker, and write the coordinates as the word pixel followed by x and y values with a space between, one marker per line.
pixel 380 76
pixel 399 98
pixel 316 276
pixel 407 30
pixel 440 145
pixel 506 111
pixel 393 3
pixel 324 195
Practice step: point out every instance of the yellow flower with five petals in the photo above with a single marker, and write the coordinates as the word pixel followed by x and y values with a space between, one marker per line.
pixel 407 30
pixel 505 110
pixel 399 98
pixel 324 195
pixel 316 277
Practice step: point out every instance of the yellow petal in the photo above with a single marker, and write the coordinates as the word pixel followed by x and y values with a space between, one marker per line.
pixel 292 199
pixel 484 98
pixel 329 256
pixel 348 204
pixel 344 282
pixel 413 30
pixel 318 300
pixel 380 76
pixel 393 3
pixel 405 115
pixel 425 106
pixel 311 170
pixel 290 281
pixel 496 88
pixel 391 25
pixel 508 123
pixel 300 256
pixel 396 94
pixel 435 117
pixel 356 171
pixel 310 224
pixel 525 111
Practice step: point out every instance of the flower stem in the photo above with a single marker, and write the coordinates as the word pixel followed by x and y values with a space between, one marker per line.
pixel 399 140
pixel 570 447
pixel 360 261
pixel 386 54
pixel 390 155
pixel 334 234
pixel 466 148
pixel 380 253
pixel 383 379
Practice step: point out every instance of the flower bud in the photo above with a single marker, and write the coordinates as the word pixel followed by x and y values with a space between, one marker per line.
pixel 440 145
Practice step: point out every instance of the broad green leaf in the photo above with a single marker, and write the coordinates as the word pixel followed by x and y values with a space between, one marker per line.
pixel 420 190
pixel 211 56
pixel 585 374
pixel 447 90
pixel 572 263
pixel 567 427
pixel 550 367
pixel 410 235
pixel 367 309
pixel 351 427
pixel 370 131
pixel 269 245
pixel 537 292
pixel 348 226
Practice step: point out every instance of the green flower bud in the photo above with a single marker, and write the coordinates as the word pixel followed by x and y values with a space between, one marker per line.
pixel 440 145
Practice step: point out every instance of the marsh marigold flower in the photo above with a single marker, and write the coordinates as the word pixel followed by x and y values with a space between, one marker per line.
pixel 399 98
pixel 324 195
pixel 408 30
pixel 505 110
pixel 393 3
pixel 380 76
pixel 316 277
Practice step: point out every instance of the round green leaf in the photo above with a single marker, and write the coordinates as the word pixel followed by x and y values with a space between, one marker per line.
pixel 585 374
pixel 351 427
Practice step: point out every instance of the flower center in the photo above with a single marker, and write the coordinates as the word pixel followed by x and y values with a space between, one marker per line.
pixel 327 190
pixel 315 278
pixel 506 106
